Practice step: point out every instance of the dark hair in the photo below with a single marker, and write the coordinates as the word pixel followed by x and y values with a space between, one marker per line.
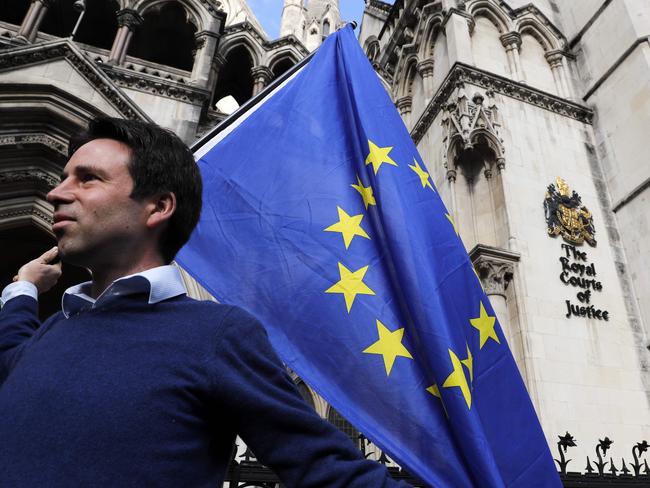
pixel 160 162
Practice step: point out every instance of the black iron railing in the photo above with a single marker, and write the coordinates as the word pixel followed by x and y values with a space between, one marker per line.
pixel 244 470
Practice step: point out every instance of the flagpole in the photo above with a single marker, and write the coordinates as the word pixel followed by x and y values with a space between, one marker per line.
pixel 232 118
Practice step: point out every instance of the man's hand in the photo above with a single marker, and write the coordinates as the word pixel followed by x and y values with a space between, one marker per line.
pixel 39 272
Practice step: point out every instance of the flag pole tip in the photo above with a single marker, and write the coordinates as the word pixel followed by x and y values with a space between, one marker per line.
pixel 354 24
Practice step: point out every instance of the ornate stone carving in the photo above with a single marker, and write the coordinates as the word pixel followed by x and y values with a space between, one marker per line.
pixel 200 38
pixel 495 268
pixel 21 56
pixel 129 18
pixel 425 68
pixel 554 58
pixel 43 139
pixel 157 86
pixel 466 121
pixel 261 73
pixel 32 175
pixel 404 104
pixel 511 39
pixel 214 7
pixel 12 213
pixel 497 84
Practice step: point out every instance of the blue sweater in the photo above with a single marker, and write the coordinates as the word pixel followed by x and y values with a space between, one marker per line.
pixel 154 395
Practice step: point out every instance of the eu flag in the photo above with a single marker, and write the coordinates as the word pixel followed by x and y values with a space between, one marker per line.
pixel 321 219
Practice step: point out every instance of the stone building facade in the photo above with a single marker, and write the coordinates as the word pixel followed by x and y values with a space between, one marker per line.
pixel 501 98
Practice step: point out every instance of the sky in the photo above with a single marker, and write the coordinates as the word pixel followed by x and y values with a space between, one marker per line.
pixel 268 12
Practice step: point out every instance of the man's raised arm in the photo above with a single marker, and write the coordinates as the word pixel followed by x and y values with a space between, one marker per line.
pixel 19 314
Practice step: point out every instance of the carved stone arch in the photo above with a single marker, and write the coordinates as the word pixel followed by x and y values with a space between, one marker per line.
pixel 540 32
pixel 431 32
pixel 410 70
pixel 493 12
pixel 371 47
pixel 195 13
pixel 241 40
pixel 282 61
pixel 468 123
pixel 480 135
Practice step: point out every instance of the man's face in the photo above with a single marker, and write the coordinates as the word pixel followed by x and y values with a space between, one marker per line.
pixel 95 219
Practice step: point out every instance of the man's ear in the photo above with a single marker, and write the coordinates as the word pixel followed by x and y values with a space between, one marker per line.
pixel 161 208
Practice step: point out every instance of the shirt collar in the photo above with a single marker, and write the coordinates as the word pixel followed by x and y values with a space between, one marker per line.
pixel 160 283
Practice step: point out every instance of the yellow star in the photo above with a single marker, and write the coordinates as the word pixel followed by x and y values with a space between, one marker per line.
pixel 348 226
pixel 389 346
pixel 457 379
pixel 485 324
pixel 378 156
pixel 424 176
pixel 435 391
pixel 451 221
pixel 350 285
pixel 365 192
pixel 469 364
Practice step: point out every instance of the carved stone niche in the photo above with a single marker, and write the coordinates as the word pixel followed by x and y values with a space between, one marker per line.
pixel 495 267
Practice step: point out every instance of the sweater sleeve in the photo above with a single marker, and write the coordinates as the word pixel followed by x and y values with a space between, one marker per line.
pixel 18 322
pixel 272 418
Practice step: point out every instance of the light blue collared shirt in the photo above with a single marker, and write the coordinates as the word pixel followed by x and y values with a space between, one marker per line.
pixel 160 283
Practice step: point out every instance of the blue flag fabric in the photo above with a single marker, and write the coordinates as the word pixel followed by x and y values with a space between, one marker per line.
pixel 321 219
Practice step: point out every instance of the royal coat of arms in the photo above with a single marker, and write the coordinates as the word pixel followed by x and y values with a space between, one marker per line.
pixel 566 215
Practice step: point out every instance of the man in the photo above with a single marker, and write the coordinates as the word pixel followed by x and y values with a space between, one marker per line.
pixel 133 383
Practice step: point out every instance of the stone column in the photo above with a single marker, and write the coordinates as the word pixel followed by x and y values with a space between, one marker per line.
pixel 404 107
pixel 459 43
pixel 32 21
pixel 556 62
pixel 262 75
pixel 206 45
pixel 425 68
pixel 495 276
pixel 512 42
pixel 127 20
pixel 451 178
pixel 495 268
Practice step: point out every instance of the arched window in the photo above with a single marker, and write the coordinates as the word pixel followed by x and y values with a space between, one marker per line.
pixel 14 11
pixel 165 37
pixel 343 425
pixel 373 51
pixel 282 66
pixel 235 77
pixel 480 214
pixel 326 28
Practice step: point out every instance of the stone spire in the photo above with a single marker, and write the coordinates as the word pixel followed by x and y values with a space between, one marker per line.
pixel 322 17
pixel 293 19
